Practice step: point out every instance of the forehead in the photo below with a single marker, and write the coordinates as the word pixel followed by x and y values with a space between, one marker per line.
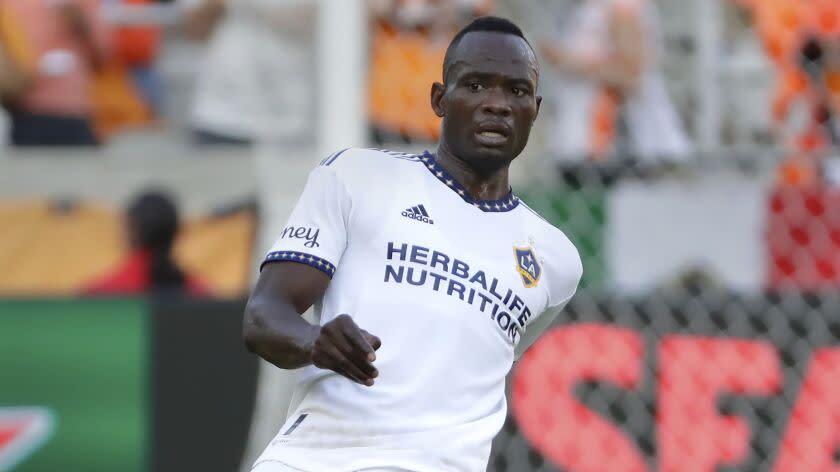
pixel 494 53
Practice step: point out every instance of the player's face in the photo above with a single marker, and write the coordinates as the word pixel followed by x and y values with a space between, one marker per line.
pixel 489 102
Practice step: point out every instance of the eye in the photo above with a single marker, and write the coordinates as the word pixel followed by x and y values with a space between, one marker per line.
pixel 519 92
pixel 475 87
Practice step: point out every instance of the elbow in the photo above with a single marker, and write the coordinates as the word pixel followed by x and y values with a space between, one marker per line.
pixel 631 70
pixel 196 32
pixel 193 30
pixel 198 25
pixel 634 79
pixel 251 327
pixel 249 341
pixel 626 80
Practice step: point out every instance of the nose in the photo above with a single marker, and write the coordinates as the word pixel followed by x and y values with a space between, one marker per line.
pixel 496 103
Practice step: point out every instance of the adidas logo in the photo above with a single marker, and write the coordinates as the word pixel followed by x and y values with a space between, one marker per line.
pixel 418 213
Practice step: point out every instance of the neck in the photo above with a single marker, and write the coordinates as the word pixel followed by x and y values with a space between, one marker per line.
pixel 492 184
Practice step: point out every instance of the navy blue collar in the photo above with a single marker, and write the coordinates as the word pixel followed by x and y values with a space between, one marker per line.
pixel 507 203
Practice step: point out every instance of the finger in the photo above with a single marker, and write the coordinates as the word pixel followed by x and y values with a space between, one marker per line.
pixel 350 370
pixel 349 352
pixel 337 362
pixel 355 336
pixel 352 352
pixel 374 341
pixel 346 335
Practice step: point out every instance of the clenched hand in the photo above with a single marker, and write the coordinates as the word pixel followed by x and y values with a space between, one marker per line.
pixel 341 346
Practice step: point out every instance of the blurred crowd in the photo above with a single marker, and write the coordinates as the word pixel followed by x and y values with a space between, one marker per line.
pixel 77 72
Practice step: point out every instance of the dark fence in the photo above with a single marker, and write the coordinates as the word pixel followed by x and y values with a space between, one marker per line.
pixel 689 381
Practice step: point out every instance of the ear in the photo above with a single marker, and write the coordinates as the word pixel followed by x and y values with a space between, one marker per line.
pixel 438 90
pixel 539 102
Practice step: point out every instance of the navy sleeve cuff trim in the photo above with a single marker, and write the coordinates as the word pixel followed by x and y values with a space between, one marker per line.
pixel 321 264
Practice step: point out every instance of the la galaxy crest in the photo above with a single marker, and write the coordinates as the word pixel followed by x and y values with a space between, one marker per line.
pixel 527 266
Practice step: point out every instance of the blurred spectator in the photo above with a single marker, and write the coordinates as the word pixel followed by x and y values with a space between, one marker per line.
pixel 802 39
pixel 60 44
pixel 127 90
pixel 608 53
pixel 408 42
pixel 13 80
pixel 151 226
pixel 257 78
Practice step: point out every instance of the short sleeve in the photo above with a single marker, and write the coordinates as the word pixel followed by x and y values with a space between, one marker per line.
pixel 564 270
pixel 316 232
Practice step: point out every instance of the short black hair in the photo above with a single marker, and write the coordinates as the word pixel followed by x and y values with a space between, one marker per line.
pixel 492 24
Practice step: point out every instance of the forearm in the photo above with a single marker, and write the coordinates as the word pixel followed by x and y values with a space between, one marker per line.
pixel 88 31
pixel 612 72
pixel 95 49
pixel 200 21
pixel 13 81
pixel 275 331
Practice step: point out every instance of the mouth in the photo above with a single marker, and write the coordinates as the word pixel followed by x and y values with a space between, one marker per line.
pixel 492 134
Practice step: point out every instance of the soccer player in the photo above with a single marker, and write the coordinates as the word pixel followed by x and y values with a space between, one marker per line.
pixel 428 278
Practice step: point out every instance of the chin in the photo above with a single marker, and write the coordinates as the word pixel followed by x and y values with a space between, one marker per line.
pixel 489 159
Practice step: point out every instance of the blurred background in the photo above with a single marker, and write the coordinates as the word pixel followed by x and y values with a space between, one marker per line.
pixel 150 152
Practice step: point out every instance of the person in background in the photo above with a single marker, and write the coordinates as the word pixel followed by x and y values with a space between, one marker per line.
pixel 257 77
pixel 807 110
pixel 13 80
pixel 408 42
pixel 128 91
pixel 59 44
pixel 802 42
pixel 607 56
pixel 152 225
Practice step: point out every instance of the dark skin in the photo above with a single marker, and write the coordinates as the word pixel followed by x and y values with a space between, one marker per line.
pixel 488 103
pixel 490 87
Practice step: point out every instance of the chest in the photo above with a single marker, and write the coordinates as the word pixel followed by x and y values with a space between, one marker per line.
pixel 470 268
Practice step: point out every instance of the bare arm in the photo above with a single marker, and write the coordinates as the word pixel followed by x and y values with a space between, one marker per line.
pixel 274 329
pixel 623 67
pixel 13 80
pixel 87 30
pixel 200 21
pixel 380 8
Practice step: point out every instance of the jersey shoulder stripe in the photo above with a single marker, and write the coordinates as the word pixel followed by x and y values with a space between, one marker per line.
pixel 329 160
pixel 332 157
pixel 535 213
pixel 399 155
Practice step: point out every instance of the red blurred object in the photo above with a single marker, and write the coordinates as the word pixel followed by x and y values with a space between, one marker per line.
pixel 136 45
pixel 9 432
pixel 558 425
pixel 811 439
pixel 693 374
pixel 803 238
pixel 131 277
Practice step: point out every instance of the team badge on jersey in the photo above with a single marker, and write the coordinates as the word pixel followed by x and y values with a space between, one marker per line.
pixel 527 266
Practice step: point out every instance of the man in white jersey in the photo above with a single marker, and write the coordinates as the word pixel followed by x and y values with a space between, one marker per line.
pixel 428 278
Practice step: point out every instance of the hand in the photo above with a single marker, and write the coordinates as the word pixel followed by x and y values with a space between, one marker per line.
pixel 344 348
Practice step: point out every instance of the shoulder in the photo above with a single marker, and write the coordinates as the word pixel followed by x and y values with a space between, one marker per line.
pixel 557 253
pixel 362 157
pixel 365 165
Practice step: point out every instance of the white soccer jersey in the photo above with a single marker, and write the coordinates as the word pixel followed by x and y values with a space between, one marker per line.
pixel 454 287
